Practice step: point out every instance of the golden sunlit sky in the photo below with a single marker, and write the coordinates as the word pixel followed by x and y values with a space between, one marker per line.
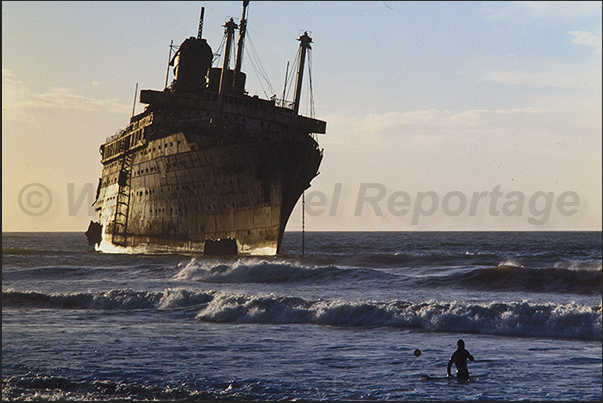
pixel 440 115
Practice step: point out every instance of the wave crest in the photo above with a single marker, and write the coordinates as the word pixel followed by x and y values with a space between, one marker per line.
pixel 513 318
pixel 114 299
pixel 265 271
pixel 499 318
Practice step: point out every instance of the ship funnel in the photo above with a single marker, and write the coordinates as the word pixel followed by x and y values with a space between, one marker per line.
pixel 192 63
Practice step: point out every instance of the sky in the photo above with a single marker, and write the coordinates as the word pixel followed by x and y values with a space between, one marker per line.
pixel 440 115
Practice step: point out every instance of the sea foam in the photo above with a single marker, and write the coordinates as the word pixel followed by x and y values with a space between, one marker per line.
pixel 269 271
pixel 125 299
pixel 500 318
pixel 497 318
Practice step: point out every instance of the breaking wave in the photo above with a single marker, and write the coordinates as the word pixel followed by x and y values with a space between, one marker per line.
pixel 577 278
pixel 512 318
pixel 114 299
pixel 497 318
pixel 264 271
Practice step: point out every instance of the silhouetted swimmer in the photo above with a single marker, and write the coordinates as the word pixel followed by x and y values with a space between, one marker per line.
pixel 459 358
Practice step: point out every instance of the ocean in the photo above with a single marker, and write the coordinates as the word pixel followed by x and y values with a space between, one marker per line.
pixel 341 321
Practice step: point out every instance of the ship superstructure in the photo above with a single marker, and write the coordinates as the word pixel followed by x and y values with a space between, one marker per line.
pixel 206 167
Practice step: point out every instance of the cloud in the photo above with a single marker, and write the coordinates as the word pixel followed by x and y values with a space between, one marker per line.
pixel 561 9
pixel 586 76
pixel 433 122
pixel 19 102
pixel 13 92
pixel 587 38
pixel 530 10
pixel 377 123
pixel 564 77
pixel 64 98
pixel 541 145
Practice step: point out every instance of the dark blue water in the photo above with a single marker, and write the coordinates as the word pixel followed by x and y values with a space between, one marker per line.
pixel 340 322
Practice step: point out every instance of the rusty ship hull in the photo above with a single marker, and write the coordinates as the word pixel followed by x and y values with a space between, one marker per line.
pixel 204 169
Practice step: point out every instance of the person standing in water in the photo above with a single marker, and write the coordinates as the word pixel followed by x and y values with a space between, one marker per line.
pixel 459 358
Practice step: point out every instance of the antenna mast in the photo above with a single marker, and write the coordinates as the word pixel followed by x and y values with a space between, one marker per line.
pixel 135 94
pixel 304 45
pixel 200 32
pixel 285 86
pixel 167 74
pixel 240 45
pixel 229 31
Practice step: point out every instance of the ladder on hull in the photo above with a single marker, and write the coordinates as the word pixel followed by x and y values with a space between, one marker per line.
pixel 122 202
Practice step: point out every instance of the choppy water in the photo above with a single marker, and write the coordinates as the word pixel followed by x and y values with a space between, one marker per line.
pixel 340 322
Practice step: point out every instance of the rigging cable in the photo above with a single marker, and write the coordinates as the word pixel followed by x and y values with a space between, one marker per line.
pixel 304 223
pixel 167 74
pixel 292 74
pixel 258 68
pixel 311 87
pixel 218 53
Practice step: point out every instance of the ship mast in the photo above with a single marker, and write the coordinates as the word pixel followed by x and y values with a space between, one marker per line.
pixel 240 45
pixel 230 28
pixel 304 45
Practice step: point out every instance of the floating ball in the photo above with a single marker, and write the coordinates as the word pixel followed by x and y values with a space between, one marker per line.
pixel 417 352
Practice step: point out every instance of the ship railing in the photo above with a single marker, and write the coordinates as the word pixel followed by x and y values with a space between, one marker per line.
pixel 141 121
pixel 117 135
pixel 283 103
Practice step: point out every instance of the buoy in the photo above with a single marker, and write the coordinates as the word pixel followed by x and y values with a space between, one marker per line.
pixel 417 352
